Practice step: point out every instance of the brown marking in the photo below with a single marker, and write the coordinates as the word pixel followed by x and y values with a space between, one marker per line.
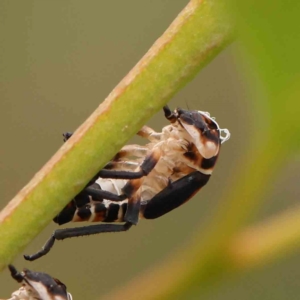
pixel 145 132
pixel 111 165
pixel 213 135
pixel 210 122
pixel 150 161
pixel 70 204
pixel 121 165
pixel 99 212
pixel 209 163
pixel 77 219
pixel 134 199
pixel 82 214
pixel 131 151
pixel 209 137
pixel 207 129
pixel 156 154
pixel 193 155
pixel 132 186
pixel 184 169
pixel 180 171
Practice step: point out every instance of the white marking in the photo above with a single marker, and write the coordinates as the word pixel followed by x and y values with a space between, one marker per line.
pixel 70 296
pixel 120 213
pixel 226 137
pixel 41 290
pixel 209 149
pixel 92 210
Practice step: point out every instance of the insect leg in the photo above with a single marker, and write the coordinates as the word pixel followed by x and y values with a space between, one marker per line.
pixel 133 203
pixel 122 165
pixel 67 135
pixel 101 194
pixel 15 274
pixel 61 234
pixel 148 133
pixel 174 195
pixel 129 151
pixel 131 189
pixel 144 169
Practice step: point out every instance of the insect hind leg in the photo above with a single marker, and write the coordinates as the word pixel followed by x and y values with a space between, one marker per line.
pixel 61 234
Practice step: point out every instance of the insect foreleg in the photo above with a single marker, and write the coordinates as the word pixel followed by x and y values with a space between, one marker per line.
pixel 148 133
pixel 61 234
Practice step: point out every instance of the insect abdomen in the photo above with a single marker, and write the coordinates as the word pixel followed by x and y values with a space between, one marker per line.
pixel 101 212
pixel 93 212
pixel 85 207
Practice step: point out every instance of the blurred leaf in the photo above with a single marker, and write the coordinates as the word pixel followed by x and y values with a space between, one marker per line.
pixel 270 35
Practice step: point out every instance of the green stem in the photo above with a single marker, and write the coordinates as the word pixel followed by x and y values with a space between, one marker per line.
pixel 196 36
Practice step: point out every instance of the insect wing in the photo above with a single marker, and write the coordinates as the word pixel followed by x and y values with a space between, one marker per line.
pixel 174 195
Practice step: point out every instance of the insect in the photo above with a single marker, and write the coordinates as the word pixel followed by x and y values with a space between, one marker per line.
pixel 38 286
pixel 146 181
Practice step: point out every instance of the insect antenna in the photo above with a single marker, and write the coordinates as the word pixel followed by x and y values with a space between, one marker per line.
pixel 186 104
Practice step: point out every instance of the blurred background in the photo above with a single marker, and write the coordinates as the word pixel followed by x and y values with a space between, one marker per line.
pixel 58 61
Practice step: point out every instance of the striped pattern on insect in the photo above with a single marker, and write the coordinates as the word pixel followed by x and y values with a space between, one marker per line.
pixel 38 286
pixel 146 181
